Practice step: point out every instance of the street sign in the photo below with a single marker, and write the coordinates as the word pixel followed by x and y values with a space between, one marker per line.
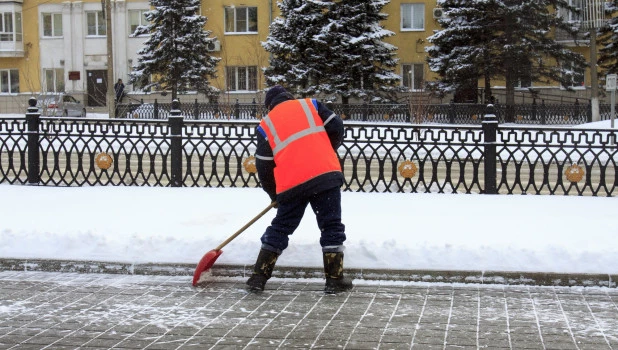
pixel 610 82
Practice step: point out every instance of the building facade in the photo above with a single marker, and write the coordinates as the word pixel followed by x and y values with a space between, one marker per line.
pixel 60 46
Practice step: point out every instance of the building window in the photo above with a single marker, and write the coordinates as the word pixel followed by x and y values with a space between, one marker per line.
pixel 52 25
pixel 96 23
pixel 574 16
pixel 241 19
pixel 525 81
pixel 413 75
pixel 241 78
pixel 9 81
pixel 10 26
pixel 576 78
pixel 54 80
pixel 137 18
pixel 412 16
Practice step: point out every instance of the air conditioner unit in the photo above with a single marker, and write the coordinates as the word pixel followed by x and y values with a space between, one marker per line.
pixel 438 13
pixel 214 45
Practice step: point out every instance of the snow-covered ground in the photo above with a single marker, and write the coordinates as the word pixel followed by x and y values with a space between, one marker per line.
pixel 564 234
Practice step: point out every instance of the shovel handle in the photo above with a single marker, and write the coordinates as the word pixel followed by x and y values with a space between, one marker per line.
pixel 256 218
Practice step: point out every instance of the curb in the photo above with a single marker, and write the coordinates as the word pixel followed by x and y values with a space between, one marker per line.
pixel 470 277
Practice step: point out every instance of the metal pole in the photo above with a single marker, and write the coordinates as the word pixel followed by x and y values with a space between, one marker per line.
pixel 594 80
pixel 490 129
pixel 111 94
pixel 613 108
pixel 610 85
pixel 33 122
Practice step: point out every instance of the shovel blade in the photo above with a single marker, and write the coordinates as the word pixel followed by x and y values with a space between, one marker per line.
pixel 205 263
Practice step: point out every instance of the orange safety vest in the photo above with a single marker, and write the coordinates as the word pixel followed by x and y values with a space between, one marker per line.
pixel 300 144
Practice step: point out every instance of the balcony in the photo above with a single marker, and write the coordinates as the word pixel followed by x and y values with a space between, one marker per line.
pixel 11 49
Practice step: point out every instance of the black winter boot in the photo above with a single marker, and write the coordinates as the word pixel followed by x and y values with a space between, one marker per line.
pixel 333 269
pixel 262 270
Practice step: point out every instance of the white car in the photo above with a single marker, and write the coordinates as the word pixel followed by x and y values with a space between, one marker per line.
pixel 60 105
pixel 146 111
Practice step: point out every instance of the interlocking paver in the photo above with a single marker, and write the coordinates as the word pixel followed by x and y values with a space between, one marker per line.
pixel 51 310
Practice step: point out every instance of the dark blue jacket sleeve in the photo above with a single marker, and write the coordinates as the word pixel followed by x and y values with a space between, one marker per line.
pixel 333 124
pixel 265 165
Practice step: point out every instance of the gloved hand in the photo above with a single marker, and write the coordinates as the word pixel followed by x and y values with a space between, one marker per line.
pixel 273 199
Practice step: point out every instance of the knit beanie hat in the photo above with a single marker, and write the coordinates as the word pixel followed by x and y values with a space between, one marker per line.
pixel 272 93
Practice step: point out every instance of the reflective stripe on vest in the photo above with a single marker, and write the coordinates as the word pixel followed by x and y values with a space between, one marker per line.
pixel 313 128
pixel 301 147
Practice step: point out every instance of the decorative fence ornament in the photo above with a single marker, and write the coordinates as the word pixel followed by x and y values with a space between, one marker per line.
pixel 249 165
pixel 407 169
pixel 574 173
pixel 103 160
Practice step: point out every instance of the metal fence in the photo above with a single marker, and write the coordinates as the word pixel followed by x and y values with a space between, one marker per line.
pixel 452 113
pixel 375 157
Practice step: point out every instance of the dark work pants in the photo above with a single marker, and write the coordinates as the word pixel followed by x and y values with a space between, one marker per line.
pixel 327 208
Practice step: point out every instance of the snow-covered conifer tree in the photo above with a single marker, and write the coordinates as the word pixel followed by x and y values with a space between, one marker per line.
pixel 332 48
pixel 297 57
pixel 360 64
pixel 608 41
pixel 176 53
pixel 510 40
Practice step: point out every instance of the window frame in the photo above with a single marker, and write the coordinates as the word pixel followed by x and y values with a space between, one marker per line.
pixel 233 76
pixel 580 84
pixel 236 20
pixel 13 20
pixel 572 16
pixel 409 80
pixel 11 75
pixel 142 19
pixel 98 16
pixel 53 16
pixel 524 76
pixel 57 77
pixel 412 14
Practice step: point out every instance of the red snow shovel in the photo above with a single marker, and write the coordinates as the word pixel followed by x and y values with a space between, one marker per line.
pixel 210 257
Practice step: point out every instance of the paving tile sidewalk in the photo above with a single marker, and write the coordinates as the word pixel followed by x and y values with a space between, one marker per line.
pixel 52 310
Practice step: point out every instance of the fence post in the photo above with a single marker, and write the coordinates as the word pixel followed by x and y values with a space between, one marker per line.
pixel 451 112
pixel 543 113
pixel 408 111
pixel 576 113
pixel 156 109
pixel 34 162
pixel 534 111
pixel 589 112
pixel 196 110
pixel 365 111
pixel 236 109
pixel 490 128
pixel 175 122
pixel 254 109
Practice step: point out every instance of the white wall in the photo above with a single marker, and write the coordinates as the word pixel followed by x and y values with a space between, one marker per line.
pixel 76 51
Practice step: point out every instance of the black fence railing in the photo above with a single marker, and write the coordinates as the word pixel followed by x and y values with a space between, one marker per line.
pixel 451 113
pixel 375 157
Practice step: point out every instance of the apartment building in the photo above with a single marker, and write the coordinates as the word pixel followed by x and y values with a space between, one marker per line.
pixel 60 45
